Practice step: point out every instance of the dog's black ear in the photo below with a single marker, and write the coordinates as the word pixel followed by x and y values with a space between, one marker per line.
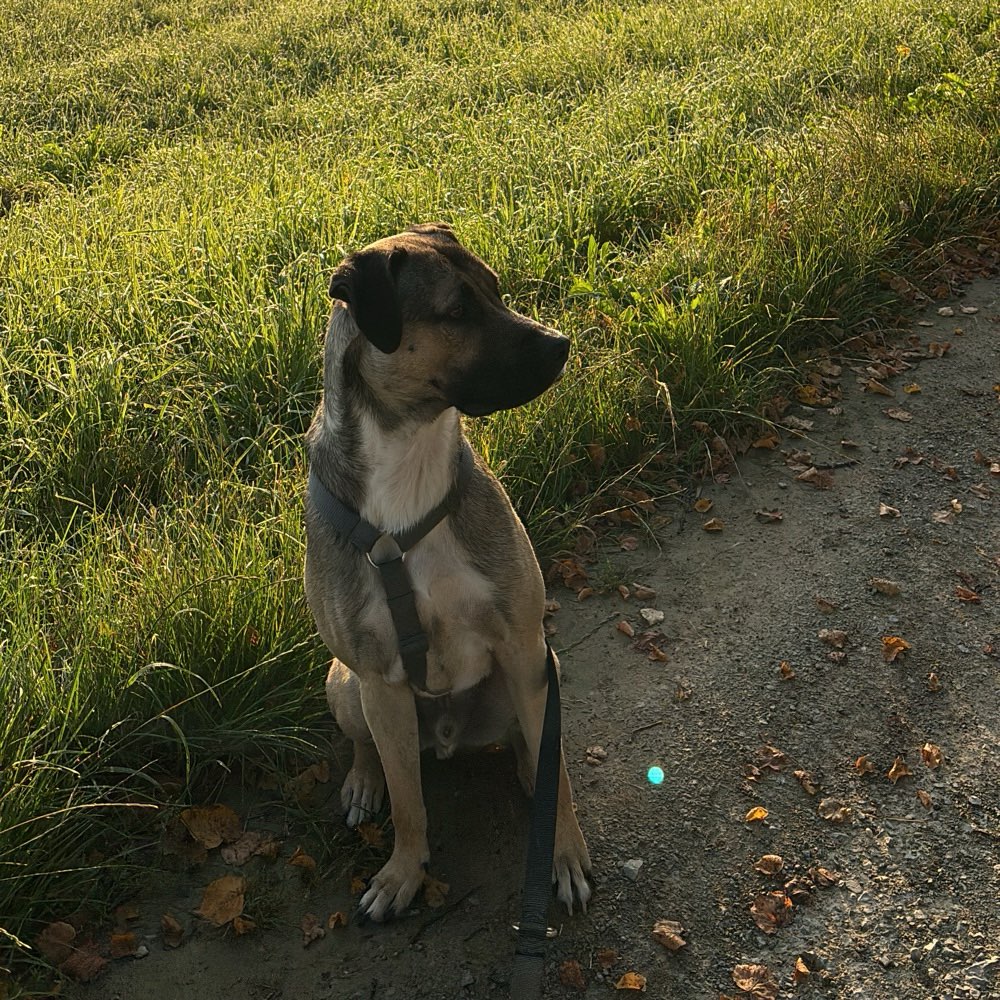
pixel 366 281
pixel 434 229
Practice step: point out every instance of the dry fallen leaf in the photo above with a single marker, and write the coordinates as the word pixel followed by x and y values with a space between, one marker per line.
pixel 628 543
pixel 822 480
pixel 886 587
pixel 703 506
pixel 632 981
pixel 771 758
pixel 85 963
pixel 873 385
pixel 824 605
pixel 769 516
pixel 223 899
pixel 212 825
pixel 943 517
pixel 823 877
pixel 785 669
pixel 755 815
pixel 931 754
pixel 571 975
pixel 807 781
pixel 253 843
pixel 893 647
pixel 715 524
pixel 897 413
pixel 834 810
pixel 910 388
pixel 643 593
pixel 756 980
pixel 933 682
pixel 864 766
pixel 55 942
pixel 898 770
pixel 335 920
pixel 244 925
pixel 605 957
pixel 967 595
pixel 771 910
pixel 626 629
pixel 435 892
pixel 884 510
pixel 300 859
pixel 833 637
pixel 769 864
pixel 670 934
pixel 372 834
pixel 171 930
pixel 123 945
pixel 312 929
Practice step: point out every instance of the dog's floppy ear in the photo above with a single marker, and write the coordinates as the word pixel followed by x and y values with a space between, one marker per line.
pixel 366 281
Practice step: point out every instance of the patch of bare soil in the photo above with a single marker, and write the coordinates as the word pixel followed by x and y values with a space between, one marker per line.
pixel 829 697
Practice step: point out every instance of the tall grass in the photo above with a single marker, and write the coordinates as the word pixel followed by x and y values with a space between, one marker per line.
pixel 694 192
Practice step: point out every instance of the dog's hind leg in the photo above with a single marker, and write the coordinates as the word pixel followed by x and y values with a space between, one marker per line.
pixel 363 791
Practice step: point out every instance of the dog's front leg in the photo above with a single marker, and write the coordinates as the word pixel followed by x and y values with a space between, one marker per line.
pixel 526 680
pixel 391 714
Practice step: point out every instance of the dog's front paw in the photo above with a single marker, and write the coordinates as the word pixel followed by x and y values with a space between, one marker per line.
pixel 363 791
pixel 392 889
pixel 570 867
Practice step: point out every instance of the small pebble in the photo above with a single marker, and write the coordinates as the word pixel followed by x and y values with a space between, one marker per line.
pixel 631 869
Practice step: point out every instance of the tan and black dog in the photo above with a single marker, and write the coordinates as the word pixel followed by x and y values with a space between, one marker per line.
pixel 419 334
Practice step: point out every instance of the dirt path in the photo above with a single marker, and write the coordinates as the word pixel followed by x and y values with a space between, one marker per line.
pixel 914 912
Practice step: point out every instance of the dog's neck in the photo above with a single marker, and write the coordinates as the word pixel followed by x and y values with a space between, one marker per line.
pixel 392 470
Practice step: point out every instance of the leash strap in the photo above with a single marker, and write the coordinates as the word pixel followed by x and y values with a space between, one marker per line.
pixel 529 955
pixel 385 552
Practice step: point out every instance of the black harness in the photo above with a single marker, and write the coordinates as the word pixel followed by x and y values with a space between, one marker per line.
pixel 386 553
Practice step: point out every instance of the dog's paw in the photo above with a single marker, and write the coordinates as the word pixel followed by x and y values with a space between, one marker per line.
pixel 392 889
pixel 362 794
pixel 570 867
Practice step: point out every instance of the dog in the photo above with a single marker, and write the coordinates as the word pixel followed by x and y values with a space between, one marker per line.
pixel 418 335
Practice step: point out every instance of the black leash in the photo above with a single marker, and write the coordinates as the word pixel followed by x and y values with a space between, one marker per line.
pixel 532 932
pixel 385 552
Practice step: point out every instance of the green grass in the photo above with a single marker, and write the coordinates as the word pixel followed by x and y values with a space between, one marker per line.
pixel 694 192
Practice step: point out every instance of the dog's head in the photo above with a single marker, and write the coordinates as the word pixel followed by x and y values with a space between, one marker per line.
pixel 437 332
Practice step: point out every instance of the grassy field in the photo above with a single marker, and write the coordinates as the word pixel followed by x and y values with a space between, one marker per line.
pixel 695 192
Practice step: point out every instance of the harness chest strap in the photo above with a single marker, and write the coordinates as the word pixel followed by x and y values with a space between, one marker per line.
pixel 386 553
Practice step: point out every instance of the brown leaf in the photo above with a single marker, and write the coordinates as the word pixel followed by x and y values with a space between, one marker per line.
pixel 886 587
pixel 84 964
pixel 171 930
pixel 807 781
pixel 703 505
pixel 821 480
pixel 884 510
pixel 833 637
pixel 824 605
pixel 910 388
pixel 223 899
pixel 932 756
pixel 123 945
pixel 755 815
pixel 571 975
pixel 55 942
pixel 834 810
pixel 584 592
pixel 943 517
pixel 864 766
pixel 893 647
pixel 872 385
pixel 771 910
pixel 670 934
pixel 300 859
pixel 925 799
pixel 312 929
pixel 933 682
pixel 801 971
pixel 898 770
pixel 251 844
pixel 938 350
pixel 435 892
pixel 823 877
pixel 756 980
pixel 768 441
pixel 643 593
pixel 628 543
pixel 769 516
pixel 897 413
pixel 244 925
pixel 967 595
pixel 785 669
pixel 177 842
pixel 212 825
pixel 606 957
pixel 624 592
pixel 769 864
pixel 372 834
pixel 771 758
pixel 715 524
pixel 626 629
pixel 800 889
pixel 335 920
pixel 632 981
